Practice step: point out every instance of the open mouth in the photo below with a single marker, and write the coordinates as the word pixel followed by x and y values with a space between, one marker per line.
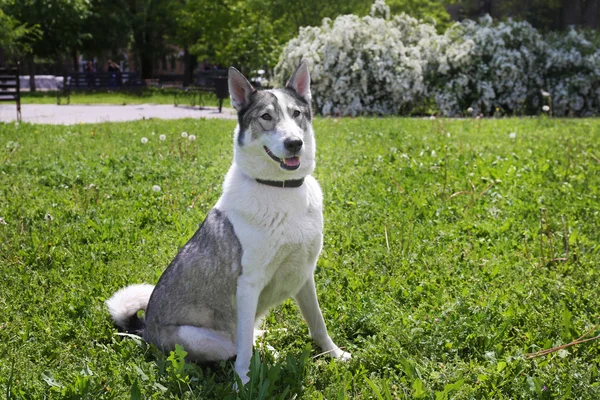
pixel 290 163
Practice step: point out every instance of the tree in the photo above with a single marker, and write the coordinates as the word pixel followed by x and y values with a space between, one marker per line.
pixel 15 37
pixel 62 27
pixel 108 27
pixel 201 27
pixel 545 15
pixel 149 23
pixel 422 9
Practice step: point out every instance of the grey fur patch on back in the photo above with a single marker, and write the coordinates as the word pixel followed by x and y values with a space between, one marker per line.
pixel 198 288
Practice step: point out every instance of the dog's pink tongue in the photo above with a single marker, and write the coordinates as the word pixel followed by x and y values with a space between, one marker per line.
pixel 292 161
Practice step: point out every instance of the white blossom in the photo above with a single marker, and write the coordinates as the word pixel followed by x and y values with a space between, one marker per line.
pixel 381 65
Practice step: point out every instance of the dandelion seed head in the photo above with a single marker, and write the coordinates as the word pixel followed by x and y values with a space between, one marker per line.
pixel 2 221
pixel 470 110
pixel 156 188
pixel 184 134
pixel 48 217
pixel 162 137
pixel 512 135
pixel 144 140
pixel 545 108
pixel 192 137
pixel 432 117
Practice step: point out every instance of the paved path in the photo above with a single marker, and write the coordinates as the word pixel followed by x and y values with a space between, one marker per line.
pixel 74 114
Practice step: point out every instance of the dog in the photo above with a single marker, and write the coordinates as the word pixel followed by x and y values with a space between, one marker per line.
pixel 256 248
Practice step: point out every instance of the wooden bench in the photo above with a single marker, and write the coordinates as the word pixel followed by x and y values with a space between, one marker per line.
pixel 10 88
pixel 100 81
pixel 214 81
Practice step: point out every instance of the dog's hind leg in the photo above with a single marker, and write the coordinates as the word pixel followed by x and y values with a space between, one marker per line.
pixel 201 344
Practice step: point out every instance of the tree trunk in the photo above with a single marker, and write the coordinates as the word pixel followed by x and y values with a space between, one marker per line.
pixel 590 15
pixel 146 66
pixel 75 61
pixel 571 13
pixel 31 67
pixel 187 67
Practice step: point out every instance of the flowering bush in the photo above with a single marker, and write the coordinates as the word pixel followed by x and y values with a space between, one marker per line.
pixel 572 73
pixel 368 65
pixel 489 66
pixel 379 64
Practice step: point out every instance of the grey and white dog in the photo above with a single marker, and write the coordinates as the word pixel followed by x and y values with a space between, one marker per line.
pixel 256 248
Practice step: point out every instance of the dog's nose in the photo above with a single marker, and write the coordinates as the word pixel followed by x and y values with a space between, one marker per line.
pixel 292 145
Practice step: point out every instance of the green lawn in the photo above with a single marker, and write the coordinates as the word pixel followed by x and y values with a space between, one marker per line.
pixel 149 96
pixel 441 264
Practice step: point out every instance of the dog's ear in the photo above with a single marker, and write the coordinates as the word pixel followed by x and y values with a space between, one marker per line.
pixel 240 89
pixel 300 81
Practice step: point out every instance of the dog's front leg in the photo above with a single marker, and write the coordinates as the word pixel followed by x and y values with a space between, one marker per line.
pixel 247 301
pixel 309 307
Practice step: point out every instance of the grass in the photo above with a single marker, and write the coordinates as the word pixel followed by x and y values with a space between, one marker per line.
pixel 149 96
pixel 445 259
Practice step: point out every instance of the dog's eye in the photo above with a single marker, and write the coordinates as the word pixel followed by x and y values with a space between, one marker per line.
pixel 296 113
pixel 266 117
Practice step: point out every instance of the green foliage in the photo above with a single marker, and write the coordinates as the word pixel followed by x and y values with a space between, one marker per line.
pixel 15 37
pixel 61 23
pixel 428 10
pixel 441 263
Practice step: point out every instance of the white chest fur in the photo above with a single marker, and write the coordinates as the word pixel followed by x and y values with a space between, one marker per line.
pixel 280 232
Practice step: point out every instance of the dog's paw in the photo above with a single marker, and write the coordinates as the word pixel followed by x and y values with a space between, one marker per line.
pixel 244 378
pixel 341 355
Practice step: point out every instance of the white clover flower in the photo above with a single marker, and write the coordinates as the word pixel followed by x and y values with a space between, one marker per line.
pixel 545 108
pixel 512 135
pixel 192 137
pixel 184 134
pixel 162 137
pixel 156 188
pixel 144 140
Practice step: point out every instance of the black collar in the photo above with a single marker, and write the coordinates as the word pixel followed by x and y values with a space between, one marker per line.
pixel 292 183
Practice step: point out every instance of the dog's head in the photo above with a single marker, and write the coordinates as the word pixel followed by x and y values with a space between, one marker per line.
pixel 274 137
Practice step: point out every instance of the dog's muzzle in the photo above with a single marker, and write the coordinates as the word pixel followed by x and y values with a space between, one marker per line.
pixel 290 163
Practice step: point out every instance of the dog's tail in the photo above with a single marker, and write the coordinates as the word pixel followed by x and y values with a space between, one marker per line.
pixel 124 305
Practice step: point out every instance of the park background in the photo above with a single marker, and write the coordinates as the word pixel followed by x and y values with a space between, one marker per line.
pixel 460 254
pixel 406 57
